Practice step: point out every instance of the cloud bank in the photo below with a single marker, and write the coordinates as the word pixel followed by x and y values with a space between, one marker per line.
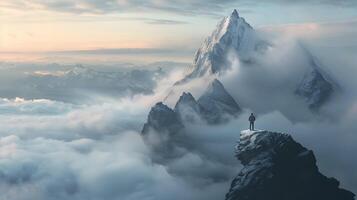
pixel 50 149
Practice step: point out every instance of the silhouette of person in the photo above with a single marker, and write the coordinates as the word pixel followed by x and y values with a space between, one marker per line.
pixel 251 120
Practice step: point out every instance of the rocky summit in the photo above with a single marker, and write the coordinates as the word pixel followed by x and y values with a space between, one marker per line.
pixel 217 105
pixel 162 118
pixel 161 132
pixel 278 168
pixel 187 108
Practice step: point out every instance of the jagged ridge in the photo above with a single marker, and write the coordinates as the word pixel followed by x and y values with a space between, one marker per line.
pixel 164 125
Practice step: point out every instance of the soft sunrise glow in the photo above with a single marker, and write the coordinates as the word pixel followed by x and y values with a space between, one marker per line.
pixel 39 26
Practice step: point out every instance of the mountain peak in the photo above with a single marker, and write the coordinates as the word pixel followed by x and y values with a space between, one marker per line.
pixel 235 13
pixel 216 84
pixel 216 103
pixel 232 34
pixel 186 96
pixel 161 118
pixel 187 108
pixel 186 99
pixel 217 91
pixel 315 89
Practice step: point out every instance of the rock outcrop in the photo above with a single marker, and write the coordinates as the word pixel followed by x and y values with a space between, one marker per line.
pixel 278 168
pixel 162 119
pixel 162 131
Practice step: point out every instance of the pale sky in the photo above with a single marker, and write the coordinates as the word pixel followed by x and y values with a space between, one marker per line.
pixel 63 25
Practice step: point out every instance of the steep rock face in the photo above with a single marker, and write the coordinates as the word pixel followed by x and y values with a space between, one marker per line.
pixel 162 119
pixel 278 168
pixel 164 129
pixel 187 108
pixel 315 89
pixel 317 86
pixel 217 104
pixel 161 133
pixel 232 33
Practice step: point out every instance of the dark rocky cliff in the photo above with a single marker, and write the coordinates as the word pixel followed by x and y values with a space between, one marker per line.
pixel 278 168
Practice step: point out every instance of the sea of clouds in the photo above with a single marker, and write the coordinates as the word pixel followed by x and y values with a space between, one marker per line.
pixel 52 149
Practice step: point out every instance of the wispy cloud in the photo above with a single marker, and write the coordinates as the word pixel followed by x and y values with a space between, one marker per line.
pixel 99 7
pixel 165 22
pixel 182 7
pixel 123 51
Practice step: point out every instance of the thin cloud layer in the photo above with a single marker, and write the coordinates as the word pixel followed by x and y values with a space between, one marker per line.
pixel 211 7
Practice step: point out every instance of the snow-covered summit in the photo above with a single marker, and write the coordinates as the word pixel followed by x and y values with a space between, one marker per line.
pixel 278 168
pixel 233 33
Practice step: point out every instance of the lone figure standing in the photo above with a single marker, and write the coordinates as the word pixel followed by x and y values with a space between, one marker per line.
pixel 251 120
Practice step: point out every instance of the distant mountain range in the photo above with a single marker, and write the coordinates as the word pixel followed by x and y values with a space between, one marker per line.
pixel 82 82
